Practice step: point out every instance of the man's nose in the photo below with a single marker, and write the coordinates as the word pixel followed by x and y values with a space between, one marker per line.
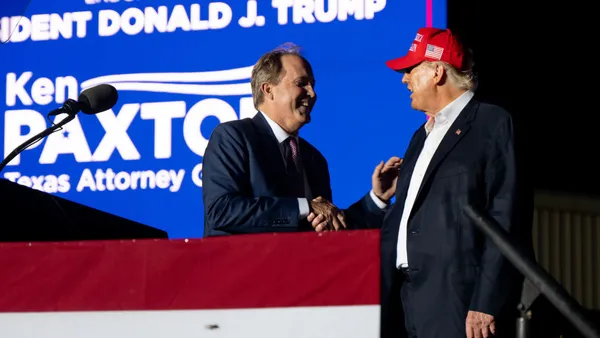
pixel 311 91
pixel 405 78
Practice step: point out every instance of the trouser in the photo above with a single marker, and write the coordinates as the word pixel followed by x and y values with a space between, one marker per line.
pixel 423 319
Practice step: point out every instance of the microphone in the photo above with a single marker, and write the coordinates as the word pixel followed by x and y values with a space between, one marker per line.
pixel 91 101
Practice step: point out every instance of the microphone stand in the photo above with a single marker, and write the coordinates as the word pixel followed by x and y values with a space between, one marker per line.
pixel 71 108
pixel 532 271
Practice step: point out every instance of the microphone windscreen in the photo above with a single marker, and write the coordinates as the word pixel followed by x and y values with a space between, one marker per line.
pixel 98 99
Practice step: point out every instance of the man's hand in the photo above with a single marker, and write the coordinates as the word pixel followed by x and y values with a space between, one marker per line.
pixel 479 325
pixel 385 177
pixel 318 222
pixel 325 216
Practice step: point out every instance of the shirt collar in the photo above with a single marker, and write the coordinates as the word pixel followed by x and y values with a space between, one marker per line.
pixel 280 134
pixel 449 113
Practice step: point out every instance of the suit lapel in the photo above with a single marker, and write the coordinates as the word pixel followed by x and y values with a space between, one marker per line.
pixel 270 153
pixel 408 166
pixel 455 133
pixel 311 186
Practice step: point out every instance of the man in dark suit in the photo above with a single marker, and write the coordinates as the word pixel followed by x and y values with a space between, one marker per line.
pixel 441 276
pixel 260 176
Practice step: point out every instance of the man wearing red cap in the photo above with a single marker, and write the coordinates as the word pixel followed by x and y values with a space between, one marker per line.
pixel 441 276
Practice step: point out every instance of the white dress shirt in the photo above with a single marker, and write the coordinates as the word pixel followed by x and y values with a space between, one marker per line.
pixel 436 129
pixel 281 136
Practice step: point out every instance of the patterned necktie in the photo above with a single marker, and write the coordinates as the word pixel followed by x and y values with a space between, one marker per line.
pixel 294 169
pixel 294 149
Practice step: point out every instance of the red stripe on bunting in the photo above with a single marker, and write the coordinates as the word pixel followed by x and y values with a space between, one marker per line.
pixel 244 271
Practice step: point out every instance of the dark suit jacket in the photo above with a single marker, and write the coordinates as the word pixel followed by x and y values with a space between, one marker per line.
pixel 244 183
pixel 453 266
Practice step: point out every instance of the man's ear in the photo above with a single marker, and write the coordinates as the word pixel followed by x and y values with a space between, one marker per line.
pixel 267 90
pixel 440 74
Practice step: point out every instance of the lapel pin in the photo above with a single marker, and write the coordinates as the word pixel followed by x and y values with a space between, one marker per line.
pixel 458 131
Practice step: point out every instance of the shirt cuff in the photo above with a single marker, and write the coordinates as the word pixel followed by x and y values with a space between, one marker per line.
pixel 303 207
pixel 381 204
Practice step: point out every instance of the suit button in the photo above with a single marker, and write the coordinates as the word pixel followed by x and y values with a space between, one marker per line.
pixel 414 232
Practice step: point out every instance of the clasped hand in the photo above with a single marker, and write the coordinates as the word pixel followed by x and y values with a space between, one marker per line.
pixel 325 216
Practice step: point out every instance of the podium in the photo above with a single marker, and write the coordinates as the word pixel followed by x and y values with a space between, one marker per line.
pixel 292 285
pixel 70 271
pixel 39 216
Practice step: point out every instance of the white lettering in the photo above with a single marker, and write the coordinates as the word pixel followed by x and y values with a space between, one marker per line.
pixel 325 16
pixel 197 175
pixel 282 10
pixel 61 26
pixel 134 20
pixel 81 19
pixel 14 121
pixel 45 183
pixel 116 136
pixel 247 109
pixel 303 11
pixel 372 7
pixel 162 179
pixel 21 125
pixel 197 24
pixel 15 87
pixel 219 15
pixel 193 120
pixel 252 18
pixel 311 11
pixel 163 113
pixel 12 176
pixel 122 181
pixel 42 89
pixel 21 29
pixel 5 29
pixel 40 27
pixel 176 179
pixel 63 183
pixel 86 181
pixel 351 7
pixel 108 22
pixel 44 27
pixel 93 2
pixel 65 88
pixel 158 19
pixel 148 179
pixel 178 19
pixel 70 140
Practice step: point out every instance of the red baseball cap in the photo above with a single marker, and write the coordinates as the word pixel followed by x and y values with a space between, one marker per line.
pixel 431 44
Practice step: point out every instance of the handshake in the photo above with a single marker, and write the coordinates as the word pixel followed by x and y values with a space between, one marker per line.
pixel 325 216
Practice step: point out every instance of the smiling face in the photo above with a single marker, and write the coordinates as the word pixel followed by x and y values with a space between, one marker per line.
pixel 289 98
pixel 294 96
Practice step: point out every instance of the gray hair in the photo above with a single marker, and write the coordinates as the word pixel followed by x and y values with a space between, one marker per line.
pixel 269 69
pixel 462 79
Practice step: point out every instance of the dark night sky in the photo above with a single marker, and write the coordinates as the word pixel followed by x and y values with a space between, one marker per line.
pixel 535 63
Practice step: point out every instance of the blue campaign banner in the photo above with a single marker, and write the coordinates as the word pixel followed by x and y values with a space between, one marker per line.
pixel 181 67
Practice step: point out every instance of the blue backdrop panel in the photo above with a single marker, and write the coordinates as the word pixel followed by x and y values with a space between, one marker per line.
pixel 181 67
